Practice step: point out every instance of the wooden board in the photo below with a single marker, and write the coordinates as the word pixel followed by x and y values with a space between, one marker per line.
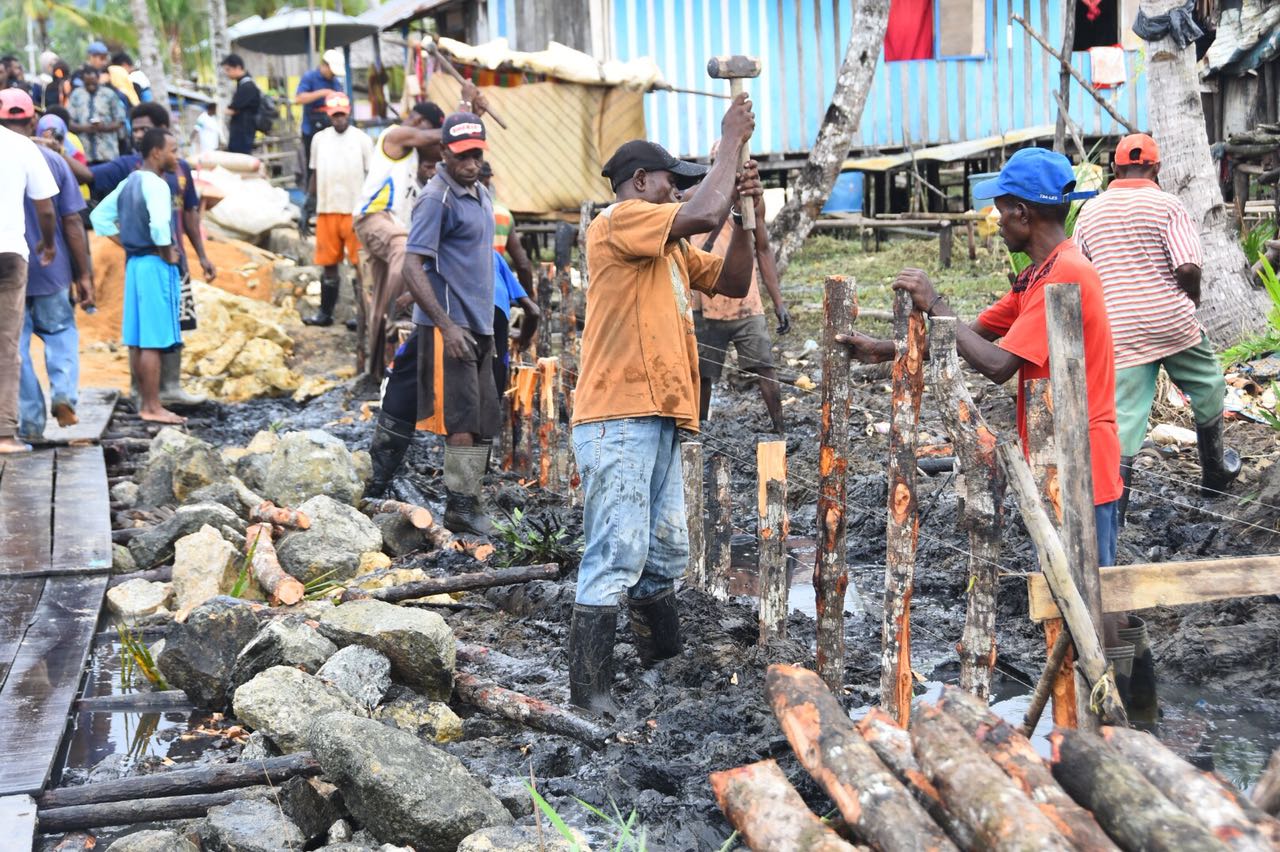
pixel 18 822
pixel 94 410
pixel 21 595
pixel 26 504
pixel 44 679
pixel 81 513
pixel 1134 587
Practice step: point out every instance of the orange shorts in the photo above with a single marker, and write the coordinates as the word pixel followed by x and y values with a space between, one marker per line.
pixel 334 232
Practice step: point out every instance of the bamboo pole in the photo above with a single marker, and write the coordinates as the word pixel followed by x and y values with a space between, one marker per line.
pixel 719 555
pixel 691 467
pixel 904 521
pixel 771 555
pixel 830 572
pixel 981 488
pixel 547 443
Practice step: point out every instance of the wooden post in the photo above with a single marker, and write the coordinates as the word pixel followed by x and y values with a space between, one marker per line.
pixel 1064 77
pixel 691 466
pixel 543 298
pixel 572 480
pixel 525 379
pixel 946 241
pixel 969 236
pixel 504 444
pixel 1075 473
pixel 904 520
pixel 830 573
pixel 547 437
pixel 771 521
pixel 981 490
pixel 719 555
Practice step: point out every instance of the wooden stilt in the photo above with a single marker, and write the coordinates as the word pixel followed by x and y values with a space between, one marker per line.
pixel 526 385
pixel 691 466
pixel 771 520
pixel 830 573
pixel 545 288
pixel 903 522
pixel 719 555
pixel 946 242
pixel 547 419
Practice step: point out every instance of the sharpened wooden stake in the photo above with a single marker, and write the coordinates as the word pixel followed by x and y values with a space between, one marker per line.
pixel 525 380
pixel 547 443
pixel 904 520
pixel 719 554
pixel 830 572
pixel 771 521
pixel 691 467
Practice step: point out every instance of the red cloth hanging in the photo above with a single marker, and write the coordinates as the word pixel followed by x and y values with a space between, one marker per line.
pixel 909 34
pixel 1093 9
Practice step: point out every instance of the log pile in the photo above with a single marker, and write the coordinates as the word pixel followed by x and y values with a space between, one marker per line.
pixel 960 777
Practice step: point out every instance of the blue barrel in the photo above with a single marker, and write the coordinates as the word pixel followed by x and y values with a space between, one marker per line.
pixel 974 180
pixel 846 195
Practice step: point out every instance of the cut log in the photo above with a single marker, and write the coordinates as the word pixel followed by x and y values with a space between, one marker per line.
pixel 181 782
pixel 1198 793
pixel 420 518
pixel 1125 804
pixel 1014 753
pixel 1266 793
pixel 767 811
pixel 892 745
pixel 457 583
pixel 976 791
pixel 870 798
pixel 525 709
pixel 130 811
pixel 267 512
pixel 281 588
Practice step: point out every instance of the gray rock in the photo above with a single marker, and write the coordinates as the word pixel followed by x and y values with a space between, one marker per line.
pixel 156 544
pixel 520 838
pixel 125 494
pixel 257 747
pixel 310 463
pixel 339 832
pixel 196 465
pixel 399 535
pixel 347 846
pixel 122 560
pixel 514 796
pixel 282 702
pixel 360 672
pixel 252 470
pixel 153 841
pixel 218 492
pixel 249 826
pixel 403 790
pixel 135 599
pixel 422 717
pixel 312 804
pixel 419 644
pixel 156 477
pixel 339 534
pixel 199 653
pixel 205 565
pixel 282 642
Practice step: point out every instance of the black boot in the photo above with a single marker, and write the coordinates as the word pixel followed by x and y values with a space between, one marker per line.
pixel 464 469
pixel 1143 704
pixel 328 301
pixel 1126 476
pixel 655 625
pixel 391 440
pixel 1219 466
pixel 591 637
pixel 1121 659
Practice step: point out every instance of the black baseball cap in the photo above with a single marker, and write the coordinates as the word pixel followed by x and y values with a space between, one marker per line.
pixel 463 131
pixel 652 157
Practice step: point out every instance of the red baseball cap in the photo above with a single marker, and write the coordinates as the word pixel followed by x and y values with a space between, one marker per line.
pixel 335 104
pixel 1137 149
pixel 15 104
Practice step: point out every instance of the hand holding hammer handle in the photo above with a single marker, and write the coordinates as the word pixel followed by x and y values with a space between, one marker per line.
pixel 735 69
pixel 447 65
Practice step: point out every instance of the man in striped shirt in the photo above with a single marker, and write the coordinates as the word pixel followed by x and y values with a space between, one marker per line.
pixel 1147 251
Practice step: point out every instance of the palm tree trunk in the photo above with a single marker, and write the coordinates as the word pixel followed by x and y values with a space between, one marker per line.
pixel 1230 308
pixel 813 185
pixel 149 51
pixel 221 47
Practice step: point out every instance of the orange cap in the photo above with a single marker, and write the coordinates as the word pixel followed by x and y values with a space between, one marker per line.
pixel 1137 149
pixel 337 104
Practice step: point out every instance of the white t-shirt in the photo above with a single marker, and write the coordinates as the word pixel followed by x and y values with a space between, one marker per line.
pixel 340 161
pixel 24 173
pixel 208 133
pixel 389 184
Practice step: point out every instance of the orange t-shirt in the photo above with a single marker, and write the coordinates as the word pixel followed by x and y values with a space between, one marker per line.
pixel 639 353
pixel 1019 319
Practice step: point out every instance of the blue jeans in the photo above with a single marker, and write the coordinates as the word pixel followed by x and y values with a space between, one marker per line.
pixel 633 515
pixel 53 319
pixel 1105 517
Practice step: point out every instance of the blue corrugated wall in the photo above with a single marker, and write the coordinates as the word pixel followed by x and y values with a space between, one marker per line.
pixel 801 44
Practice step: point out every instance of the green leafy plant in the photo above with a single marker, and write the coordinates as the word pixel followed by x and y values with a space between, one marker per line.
pixel 629 835
pixel 1255 240
pixel 242 579
pixel 1268 341
pixel 135 659
pixel 529 539
pixel 320 586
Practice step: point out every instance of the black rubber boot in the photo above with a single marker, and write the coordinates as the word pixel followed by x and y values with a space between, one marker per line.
pixel 1219 466
pixel 328 301
pixel 1121 659
pixel 591 638
pixel 655 626
pixel 464 469
pixel 1143 704
pixel 391 440
pixel 1126 476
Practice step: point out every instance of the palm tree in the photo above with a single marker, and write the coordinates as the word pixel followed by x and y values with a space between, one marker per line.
pixel 149 51
pixel 107 26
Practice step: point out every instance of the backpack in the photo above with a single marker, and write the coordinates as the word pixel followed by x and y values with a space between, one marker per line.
pixel 267 112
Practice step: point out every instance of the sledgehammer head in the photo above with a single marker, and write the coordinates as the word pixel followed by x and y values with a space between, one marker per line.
pixel 731 67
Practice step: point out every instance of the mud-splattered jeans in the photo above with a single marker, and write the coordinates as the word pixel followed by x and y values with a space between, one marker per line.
pixel 633 511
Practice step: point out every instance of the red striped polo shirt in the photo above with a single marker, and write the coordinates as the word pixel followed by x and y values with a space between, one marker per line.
pixel 1136 234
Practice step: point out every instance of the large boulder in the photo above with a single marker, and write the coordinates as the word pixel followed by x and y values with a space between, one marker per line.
pixel 286 641
pixel 310 463
pixel 520 838
pixel 338 537
pixel 196 466
pixel 153 841
pixel 403 790
pixel 312 804
pixel 205 565
pixel 199 652
pixel 360 672
pixel 156 544
pixel 422 717
pixel 177 464
pixel 137 598
pixel 252 825
pixel 399 535
pixel 282 702
pixel 419 644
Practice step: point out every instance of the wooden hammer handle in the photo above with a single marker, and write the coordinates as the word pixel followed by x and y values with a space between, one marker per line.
pixel 447 65
pixel 748 205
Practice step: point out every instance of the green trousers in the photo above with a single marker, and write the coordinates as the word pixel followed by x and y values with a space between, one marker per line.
pixel 1195 371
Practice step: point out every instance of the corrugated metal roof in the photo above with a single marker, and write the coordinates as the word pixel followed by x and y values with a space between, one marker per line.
pixel 951 152
pixel 398 12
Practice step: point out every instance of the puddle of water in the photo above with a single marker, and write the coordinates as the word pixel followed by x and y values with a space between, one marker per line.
pixel 744 580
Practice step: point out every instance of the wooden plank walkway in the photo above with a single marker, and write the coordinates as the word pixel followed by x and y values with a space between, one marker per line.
pixel 94 410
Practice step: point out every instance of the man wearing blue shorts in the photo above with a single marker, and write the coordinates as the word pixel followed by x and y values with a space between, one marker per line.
pixel 138 215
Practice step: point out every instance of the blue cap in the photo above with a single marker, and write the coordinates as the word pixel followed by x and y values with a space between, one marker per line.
pixel 97 48
pixel 1034 174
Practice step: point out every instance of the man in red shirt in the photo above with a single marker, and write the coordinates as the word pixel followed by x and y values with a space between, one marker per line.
pixel 1033 193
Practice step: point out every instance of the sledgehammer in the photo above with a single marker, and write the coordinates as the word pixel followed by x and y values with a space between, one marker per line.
pixel 735 69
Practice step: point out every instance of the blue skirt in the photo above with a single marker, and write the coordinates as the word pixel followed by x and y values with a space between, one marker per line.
pixel 152 299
